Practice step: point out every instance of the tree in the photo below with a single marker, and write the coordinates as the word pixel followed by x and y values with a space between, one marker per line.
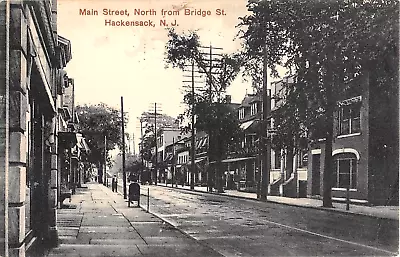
pixel 133 166
pixel 213 114
pixel 327 44
pixel 288 120
pixel 96 123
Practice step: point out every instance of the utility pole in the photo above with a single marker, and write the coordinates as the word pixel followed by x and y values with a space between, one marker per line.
pixel 155 137
pixel 155 112
pixel 141 149
pixel 105 161
pixel 193 137
pixel 123 147
pixel 173 162
pixel 133 143
pixel 266 154
pixel 209 73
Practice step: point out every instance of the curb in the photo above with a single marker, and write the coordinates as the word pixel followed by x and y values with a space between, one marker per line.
pixel 287 204
pixel 157 215
pixel 180 230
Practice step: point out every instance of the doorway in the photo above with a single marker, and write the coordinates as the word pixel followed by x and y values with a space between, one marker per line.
pixel 316 174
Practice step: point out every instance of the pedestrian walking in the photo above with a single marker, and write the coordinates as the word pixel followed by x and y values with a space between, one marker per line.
pixel 114 183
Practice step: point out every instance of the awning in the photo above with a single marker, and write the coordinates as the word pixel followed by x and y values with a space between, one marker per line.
pixel 62 123
pixel 199 160
pixel 204 142
pixel 247 124
pixel 81 143
pixel 168 158
pixel 237 159
pixel 234 160
pixel 67 139
pixel 66 113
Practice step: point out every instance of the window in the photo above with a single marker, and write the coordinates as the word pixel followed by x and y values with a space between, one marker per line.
pixel 253 110
pixel 241 113
pixel 277 159
pixel 345 171
pixel 349 118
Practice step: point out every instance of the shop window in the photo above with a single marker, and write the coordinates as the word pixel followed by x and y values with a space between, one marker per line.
pixel 345 171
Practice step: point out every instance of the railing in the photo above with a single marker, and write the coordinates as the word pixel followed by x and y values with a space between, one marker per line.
pixel 246 151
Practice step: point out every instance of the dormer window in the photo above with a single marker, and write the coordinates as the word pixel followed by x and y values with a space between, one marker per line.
pixel 253 109
pixel 241 113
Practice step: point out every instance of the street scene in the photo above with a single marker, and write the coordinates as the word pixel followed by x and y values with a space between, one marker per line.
pixel 239 227
pixel 199 128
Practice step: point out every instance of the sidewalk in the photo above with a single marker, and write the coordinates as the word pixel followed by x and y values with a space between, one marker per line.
pixel 98 222
pixel 388 212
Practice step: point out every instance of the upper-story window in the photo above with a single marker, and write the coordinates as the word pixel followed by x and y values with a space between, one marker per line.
pixel 350 116
pixel 253 109
pixel 241 113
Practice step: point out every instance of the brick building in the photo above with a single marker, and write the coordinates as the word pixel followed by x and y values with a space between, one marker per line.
pixel 365 146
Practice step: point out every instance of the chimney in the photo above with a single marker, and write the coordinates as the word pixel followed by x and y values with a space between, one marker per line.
pixel 228 99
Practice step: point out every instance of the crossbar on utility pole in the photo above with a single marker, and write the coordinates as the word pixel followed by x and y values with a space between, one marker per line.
pixel 123 147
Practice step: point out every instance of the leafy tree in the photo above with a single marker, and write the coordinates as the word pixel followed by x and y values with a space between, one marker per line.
pixel 133 166
pixel 96 122
pixel 326 44
pixel 213 114
pixel 183 49
pixel 288 118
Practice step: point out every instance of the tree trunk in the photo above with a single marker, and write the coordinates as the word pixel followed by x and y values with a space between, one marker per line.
pixel 328 165
pixel 289 162
pixel 100 173
pixel 219 172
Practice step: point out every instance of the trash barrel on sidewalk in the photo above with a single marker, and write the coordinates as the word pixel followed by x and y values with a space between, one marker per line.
pixel 134 193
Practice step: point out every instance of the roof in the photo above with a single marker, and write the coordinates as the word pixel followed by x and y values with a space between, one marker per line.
pixel 66 46
pixel 233 106
pixel 248 99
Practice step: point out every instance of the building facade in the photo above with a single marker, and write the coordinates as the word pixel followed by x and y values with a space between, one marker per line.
pixel 365 146
pixel 165 139
pixel 32 58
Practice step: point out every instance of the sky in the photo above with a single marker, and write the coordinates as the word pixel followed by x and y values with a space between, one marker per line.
pixel 109 62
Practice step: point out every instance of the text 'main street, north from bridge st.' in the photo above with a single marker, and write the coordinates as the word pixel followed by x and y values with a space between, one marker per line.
pixel 149 12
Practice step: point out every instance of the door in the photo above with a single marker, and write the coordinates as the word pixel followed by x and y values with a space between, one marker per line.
pixel 316 174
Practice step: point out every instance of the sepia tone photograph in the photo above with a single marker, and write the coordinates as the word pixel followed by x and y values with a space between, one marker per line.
pixel 199 128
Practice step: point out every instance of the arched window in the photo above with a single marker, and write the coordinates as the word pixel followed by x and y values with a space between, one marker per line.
pixel 345 170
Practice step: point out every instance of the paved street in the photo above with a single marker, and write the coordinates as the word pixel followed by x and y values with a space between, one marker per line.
pixel 240 227
pixel 98 222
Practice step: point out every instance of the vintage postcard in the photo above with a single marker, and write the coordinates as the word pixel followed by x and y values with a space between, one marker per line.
pixel 199 128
